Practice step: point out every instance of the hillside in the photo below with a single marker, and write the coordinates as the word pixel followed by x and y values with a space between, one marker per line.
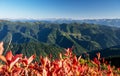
pixel 83 37
pixel 37 48
pixel 112 55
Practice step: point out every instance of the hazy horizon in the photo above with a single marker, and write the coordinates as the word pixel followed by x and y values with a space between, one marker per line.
pixel 60 9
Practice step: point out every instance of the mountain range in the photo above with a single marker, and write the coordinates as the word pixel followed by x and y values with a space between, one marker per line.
pixel 107 22
pixel 83 37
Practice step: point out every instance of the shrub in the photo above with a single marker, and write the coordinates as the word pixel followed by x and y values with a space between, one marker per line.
pixel 66 65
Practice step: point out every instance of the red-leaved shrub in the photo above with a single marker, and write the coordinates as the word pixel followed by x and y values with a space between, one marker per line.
pixel 67 65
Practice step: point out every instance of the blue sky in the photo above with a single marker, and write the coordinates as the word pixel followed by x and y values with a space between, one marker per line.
pixel 74 9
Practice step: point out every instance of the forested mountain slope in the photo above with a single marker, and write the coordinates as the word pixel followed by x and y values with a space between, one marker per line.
pixel 83 37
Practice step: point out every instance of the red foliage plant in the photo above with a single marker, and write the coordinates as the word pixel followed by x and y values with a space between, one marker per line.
pixel 67 65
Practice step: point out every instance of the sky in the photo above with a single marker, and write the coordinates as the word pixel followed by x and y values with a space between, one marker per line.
pixel 70 9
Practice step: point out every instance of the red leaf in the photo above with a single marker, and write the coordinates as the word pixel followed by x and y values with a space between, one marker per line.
pixel 68 52
pixel 9 56
pixel 44 73
pixel 18 55
pixel 31 59
pixel 98 55
pixel 25 61
pixel 96 61
pixel 3 58
pixel 75 62
pixel 60 55
pixel 44 60
pixel 1 48
pixel 13 63
pixel 16 71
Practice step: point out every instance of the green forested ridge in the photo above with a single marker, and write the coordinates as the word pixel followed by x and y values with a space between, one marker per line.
pixel 84 37
pixel 37 48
